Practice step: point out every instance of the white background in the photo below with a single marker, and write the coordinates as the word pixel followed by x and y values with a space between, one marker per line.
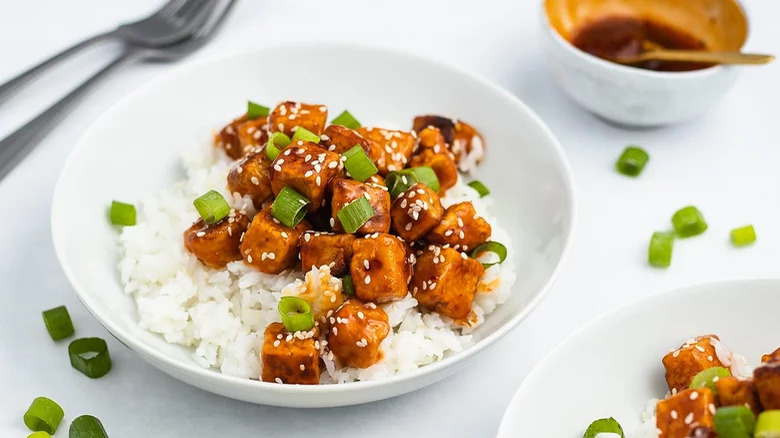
pixel 727 163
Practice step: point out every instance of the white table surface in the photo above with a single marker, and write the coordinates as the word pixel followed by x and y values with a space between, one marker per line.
pixel 726 163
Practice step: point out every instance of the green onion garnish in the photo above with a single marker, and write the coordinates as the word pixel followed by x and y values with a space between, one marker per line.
pixel 90 356
pixel 400 181
pixel 495 247
pixel 289 207
pixel 659 253
pixel 43 414
pixel 276 142
pixel 254 110
pixel 353 215
pixel 346 119
pixel 427 176
pixel 479 187
pixel 39 434
pixel 212 207
pixel 122 214
pixel 87 426
pixel 296 314
pixel 347 286
pixel 632 161
pixel 304 134
pixel 58 323
pixel 688 222
pixel 359 166
pixel 708 377
pixel 735 422
pixel 768 424
pixel 743 235
pixel 604 425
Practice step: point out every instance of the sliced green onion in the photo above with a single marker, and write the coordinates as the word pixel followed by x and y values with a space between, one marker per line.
pixel 632 161
pixel 58 323
pixel 347 286
pixel 289 207
pixel 768 424
pixel 604 425
pixel 122 214
pixel 427 176
pixel 39 434
pixel 43 415
pixel 495 247
pixel 659 253
pixel 400 181
pixel 296 314
pixel 735 422
pixel 708 377
pixel 212 207
pixel 254 110
pixel 359 166
pixel 90 356
pixel 87 426
pixel 346 119
pixel 304 134
pixel 353 215
pixel 276 142
pixel 688 222
pixel 479 187
pixel 743 235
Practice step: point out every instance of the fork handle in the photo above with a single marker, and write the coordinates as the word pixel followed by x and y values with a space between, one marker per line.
pixel 18 144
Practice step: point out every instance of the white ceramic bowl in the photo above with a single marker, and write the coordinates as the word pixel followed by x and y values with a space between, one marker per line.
pixel 133 150
pixel 612 366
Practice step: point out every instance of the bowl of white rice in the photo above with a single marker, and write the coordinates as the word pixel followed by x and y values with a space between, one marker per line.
pixel 205 327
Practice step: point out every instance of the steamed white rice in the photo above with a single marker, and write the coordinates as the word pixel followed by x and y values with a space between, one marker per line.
pixel 222 314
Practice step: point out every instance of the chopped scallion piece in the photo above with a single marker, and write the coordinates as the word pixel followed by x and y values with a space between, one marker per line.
pixel 659 253
pixel 347 286
pixel 480 188
pixel 768 424
pixel 735 422
pixel 39 434
pixel 743 236
pixel 632 161
pixel 400 181
pixel 212 207
pixel 296 314
pixel 304 134
pixel 346 119
pixel 353 215
pixel 87 426
pixel 708 377
pixel 604 425
pixel 688 222
pixel 359 166
pixel 90 357
pixel 276 142
pixel 495 247
pixel 58 323
pixel 122 214
pixel 43 415
pixel 427 176
pixel 254 110
pixel 289 207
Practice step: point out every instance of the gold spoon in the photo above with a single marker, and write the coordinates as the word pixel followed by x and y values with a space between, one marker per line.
pixel 656 52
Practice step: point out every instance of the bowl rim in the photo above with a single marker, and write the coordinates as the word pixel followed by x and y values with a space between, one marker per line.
pixel 212 376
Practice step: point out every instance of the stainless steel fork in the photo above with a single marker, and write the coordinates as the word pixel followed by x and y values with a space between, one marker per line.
pixel 175 21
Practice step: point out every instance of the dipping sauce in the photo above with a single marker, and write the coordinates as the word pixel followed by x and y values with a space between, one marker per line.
pixel 616 36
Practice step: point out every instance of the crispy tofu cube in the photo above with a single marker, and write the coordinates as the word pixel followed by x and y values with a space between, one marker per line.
pixel 690 359
pixel 307 168
pixel 340 139
pixel 441 163
pixel 227 138
pixel 431 138
pixel 268 245
pixel 461 228
pixel 327 249
pixel 444 125
pixel 396 147
pixel 346 191
pixel 445 281
pixel 252 134
pixel 416 211
pixel 356 332
pixel 380 268
pixel 731 391
pixel 771 357
pixel 290 358
pixel 767 382
pixel 287 116
pixel 678 415
pixel 468 147
pixel 250 176
pixel 218 244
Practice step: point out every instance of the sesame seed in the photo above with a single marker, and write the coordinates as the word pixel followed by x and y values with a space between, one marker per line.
pixel 673 414
pixel 307 237
pixel 448 233
pixel 201 233
pixel 676 353
pixel 699 347
pixel 463 256
pixel 277 342
pixel 360 315
pixel 271 256
pixel 318 180
pixel 335 331
pixel 712 408
pixel 280 126
pixel 278 380
pixel 461 234
pixel 460 222
pixel 255 181
pixel 333 164
pixel 277 168
pixel 689 418
pixel 285 235
pixel 366 264
pixel 239 169
pixel 408 226
pixel 308 174
pixel 323 108
pixel 694 395
pixel 292 116
pixel 303 367
pixel 249 258
pixel 332 222
pixel 368 279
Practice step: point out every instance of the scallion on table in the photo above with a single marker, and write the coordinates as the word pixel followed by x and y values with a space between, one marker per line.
pixel 632 161
pixel 743 236
pixel 659 252
pixel 58 323
pixel 688 221
pixel 43 415
pixel 90 357
pixel 86 426
pixel 122 213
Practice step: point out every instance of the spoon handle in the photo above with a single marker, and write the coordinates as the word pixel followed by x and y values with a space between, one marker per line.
pixel 699 56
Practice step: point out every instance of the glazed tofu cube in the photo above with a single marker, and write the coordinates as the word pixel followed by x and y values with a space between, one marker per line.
pixel 680 414
pixel 218 244
pixel 771 357
pixel 379 268
pixel 431 138
pixel 253 134
pixel 356 332
pixel 289 359
pixel 441 163
pixel 268 245
pixel 416 211
pixel 461 228
pixel 396 147
pixel 346 191
pixel 735 392
pixel 227 138
pixel 468 147
pixel 690 359
pixel 444 125
pixel 307 168
pixel 767 382
pixel 288 116
pixel 445 281
pixel 250 176
pixel 340 139
pixel 327 249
